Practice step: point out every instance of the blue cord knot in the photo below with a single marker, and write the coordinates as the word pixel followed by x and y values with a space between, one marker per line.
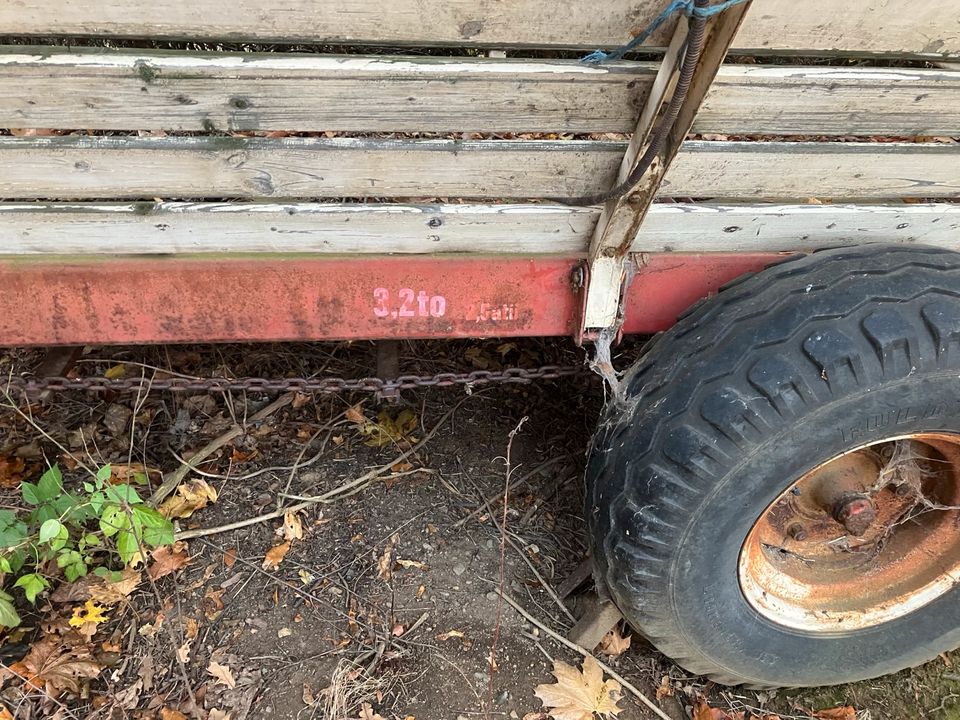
pixel 687 7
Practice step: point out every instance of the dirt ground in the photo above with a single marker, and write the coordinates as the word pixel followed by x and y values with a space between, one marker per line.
pixel 389 599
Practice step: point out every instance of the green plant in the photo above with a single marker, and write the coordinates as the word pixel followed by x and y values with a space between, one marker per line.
pixel 73 534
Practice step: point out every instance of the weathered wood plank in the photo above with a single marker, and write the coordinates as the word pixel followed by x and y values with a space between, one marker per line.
pixel 871 26
pixel 138 228
pixel 83 168
pixel 133 90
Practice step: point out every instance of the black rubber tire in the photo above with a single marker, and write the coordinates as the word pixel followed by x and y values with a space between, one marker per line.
pixel 747 392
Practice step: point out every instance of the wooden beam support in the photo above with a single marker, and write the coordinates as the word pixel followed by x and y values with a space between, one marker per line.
pixel 622 217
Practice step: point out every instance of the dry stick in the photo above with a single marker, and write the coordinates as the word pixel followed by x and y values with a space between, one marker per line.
pixel 585 653
pixel 339 492
pixel 546 586
pixel 503 562
pixel 171 480
pixel 517 484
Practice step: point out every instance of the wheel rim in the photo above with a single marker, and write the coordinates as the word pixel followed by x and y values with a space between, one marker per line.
pixel 866 537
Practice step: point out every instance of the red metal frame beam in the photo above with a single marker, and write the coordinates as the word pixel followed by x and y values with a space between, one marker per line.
pixel 184 299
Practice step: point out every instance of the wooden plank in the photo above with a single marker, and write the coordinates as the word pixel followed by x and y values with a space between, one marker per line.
pixel 136 90
pixel 871 26
pixel 799 170
pixel 148 228
pixel 86 168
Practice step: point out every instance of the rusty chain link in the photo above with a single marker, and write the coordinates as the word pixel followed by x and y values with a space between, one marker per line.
pixel 33 385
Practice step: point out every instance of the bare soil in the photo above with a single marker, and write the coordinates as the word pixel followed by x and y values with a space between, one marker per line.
pixel 389 599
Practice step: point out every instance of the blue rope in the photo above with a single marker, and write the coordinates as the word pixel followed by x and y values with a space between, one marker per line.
pixel 686 6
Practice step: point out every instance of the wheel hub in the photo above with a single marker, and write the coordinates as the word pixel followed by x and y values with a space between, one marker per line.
pixel 864 538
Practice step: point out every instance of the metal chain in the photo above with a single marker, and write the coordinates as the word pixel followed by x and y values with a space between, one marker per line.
pixel 33 385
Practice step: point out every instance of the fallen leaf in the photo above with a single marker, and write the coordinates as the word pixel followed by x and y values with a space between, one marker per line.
pixel 133 473
pixel 12 471
pixel 53 667
pixel 385 563
pixel 407 564
pixel 230 558
pixel 168 559
pixel 183 652
pixel 32 132
pixel 212 603
pixel 222 673
pixel 367 713
pixel 449 634
pixel 613 643
pixel 308 697
pixel 284 632
pixel 664 689
pixel 702 711
pixel 306 577
pixel 170 714
pixel 292 528
pixel 844 712
pixel 87 618
pixel 106 592
pixel 191 496
pixel 355 414
pixel 5 714
pixel 216 714
pixel 578 695
pixel 191 628
pixel 275 556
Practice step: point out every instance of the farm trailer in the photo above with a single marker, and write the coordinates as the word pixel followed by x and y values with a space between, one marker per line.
pixel 772 493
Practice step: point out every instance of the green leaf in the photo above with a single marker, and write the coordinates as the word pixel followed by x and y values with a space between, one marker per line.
pixel 127 546
pixel 77 570
pixel 157 530
pixel 140 478
pixel 51 484
pixel 50 530
pixel 17 558
pixel 113 520
pixel 7 518
pixel 5 565
pixel 45 512
pixel 97 501
pixel 8 615
pixel 68 557
pixel 30 493
pixel 101 571
pixel 88 487
pixel 103 474
pixel 122 494
pixel 32 584
pixel 91 539
pixel 13 535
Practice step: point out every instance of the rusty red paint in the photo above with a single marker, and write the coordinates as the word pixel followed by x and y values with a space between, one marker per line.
pixel 184 299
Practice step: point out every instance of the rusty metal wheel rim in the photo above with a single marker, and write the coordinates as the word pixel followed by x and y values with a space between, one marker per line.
pixel 862 539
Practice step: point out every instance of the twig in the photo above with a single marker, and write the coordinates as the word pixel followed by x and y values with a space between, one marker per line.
pixel 517 484
pixel 508 471
pixel 337 493
pixel 297 463
pixel 172 479
pixel 585 653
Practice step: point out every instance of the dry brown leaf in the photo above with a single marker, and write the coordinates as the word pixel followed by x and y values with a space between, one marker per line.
pixel 367 713
pixel 32 132
pixel 407 564
pixel 168 559
pixel 53 667
pixel 292 528
pixel 355 414
pixel 308 697
pixel 191 496
pixel 216 714
pixel 171 714
pixel 212 603
pixel 110 593
pixel 578 695
pixel 12 470
pixel 449 634
pixel 5 714
pixel 664 689
pixel 222 673
pixel 230 558
pixel 385 563
pixel 702 711
pixel 613 643
pixel 844 712
pixel 127 474
pixel 275 556
pixel 183 652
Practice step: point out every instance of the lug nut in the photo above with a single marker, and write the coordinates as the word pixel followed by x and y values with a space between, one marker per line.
pixel 797 531
pixel 855 512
